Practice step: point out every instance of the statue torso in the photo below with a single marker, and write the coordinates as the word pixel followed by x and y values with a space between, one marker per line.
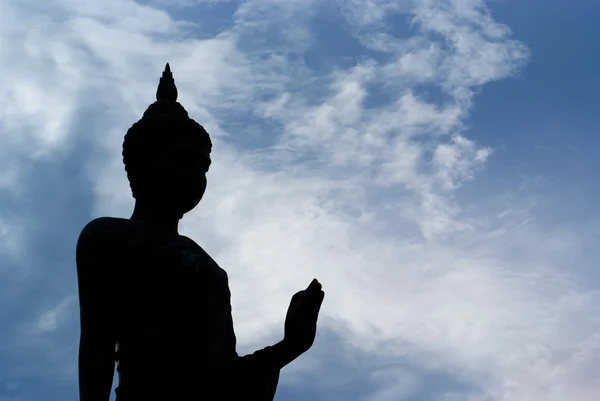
pixel 175 330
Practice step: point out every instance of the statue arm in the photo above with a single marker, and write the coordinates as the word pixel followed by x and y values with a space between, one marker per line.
pixel 256 376
pixel 273 358
pixel 96 300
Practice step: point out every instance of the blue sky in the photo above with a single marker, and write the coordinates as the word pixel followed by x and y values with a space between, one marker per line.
pixel 431 162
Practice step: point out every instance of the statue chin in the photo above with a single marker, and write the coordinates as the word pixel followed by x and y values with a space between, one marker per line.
pixel 187 203
pixel 174 206
pixel 188 207
pixel 181 207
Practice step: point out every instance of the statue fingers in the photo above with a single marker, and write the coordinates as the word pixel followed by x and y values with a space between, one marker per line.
pixel 297 297
pixel 314 285
pixel 318 299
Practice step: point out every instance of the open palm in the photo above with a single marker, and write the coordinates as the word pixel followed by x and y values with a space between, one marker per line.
pixel 301 317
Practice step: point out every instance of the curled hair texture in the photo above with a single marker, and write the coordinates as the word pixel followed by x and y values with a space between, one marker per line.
pixel 147 138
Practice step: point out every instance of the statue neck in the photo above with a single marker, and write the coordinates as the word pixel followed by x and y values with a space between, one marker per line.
pixel 154 217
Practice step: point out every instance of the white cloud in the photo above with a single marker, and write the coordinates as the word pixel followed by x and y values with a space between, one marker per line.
pixel 364 198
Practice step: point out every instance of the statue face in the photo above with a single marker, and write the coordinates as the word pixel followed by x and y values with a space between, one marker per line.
pixel 179 175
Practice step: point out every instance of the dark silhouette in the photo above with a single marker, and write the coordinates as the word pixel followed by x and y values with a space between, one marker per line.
pixel 153 300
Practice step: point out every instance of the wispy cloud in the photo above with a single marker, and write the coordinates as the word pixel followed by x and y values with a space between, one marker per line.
pixel 350 172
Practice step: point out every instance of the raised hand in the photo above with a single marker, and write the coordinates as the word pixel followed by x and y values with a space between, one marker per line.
pixel 301 318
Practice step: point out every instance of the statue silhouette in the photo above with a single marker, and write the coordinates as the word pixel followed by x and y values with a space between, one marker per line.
pixel 154 301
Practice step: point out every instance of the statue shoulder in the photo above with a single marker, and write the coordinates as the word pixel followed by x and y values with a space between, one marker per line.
pixel 103 235
pixel 205 255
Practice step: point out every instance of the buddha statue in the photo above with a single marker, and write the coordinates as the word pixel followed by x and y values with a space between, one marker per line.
pixel 152 301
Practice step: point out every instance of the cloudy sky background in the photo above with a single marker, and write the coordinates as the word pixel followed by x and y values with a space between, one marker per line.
pixel 431 162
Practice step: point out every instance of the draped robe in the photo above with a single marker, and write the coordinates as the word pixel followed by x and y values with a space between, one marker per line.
pixel 174 332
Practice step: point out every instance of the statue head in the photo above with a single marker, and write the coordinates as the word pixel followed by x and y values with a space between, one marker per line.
pixel 167 154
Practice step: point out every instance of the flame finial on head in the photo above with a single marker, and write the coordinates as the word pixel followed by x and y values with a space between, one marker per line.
pixel 166 86
pixel 162 122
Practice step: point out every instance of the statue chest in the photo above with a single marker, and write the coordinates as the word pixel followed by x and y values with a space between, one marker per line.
pixel 178 302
